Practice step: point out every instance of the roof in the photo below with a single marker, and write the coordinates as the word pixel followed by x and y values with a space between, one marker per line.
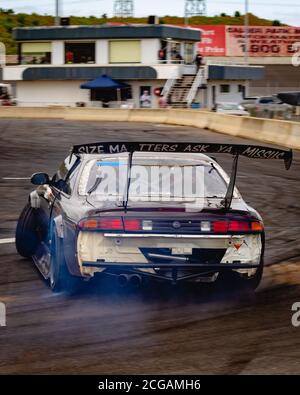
pixel 63 73
pixel 233 72
pixel 42 33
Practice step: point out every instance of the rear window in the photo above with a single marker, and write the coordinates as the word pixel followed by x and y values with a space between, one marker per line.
pixel 108 179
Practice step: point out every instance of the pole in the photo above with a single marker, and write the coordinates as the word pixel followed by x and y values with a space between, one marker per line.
pixel 56 12
pixel 246 39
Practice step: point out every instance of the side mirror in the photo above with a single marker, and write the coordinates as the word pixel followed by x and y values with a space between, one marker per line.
pixel 40 179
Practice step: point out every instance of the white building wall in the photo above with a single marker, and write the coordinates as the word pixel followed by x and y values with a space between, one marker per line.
pixel 101 48
pixel 149 50
pixel 234 96
pixel 67 93
pixel 58 52
pixel 43 93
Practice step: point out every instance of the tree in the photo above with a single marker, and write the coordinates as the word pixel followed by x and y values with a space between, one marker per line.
pixel 237 14
pixel 104 16
pixel 223 14
pixel 276 22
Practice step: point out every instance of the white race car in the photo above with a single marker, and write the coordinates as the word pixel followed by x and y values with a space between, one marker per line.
pixel 133 210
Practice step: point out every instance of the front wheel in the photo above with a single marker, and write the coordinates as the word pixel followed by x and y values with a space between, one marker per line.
pixel 60 278
pixel 26 236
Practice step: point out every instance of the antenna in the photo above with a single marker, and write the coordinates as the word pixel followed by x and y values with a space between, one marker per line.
pixel 194 8
pixel 123 8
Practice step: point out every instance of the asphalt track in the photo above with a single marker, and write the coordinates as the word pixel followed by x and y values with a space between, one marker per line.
pixel 153 330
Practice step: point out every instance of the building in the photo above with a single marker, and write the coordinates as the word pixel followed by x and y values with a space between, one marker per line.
pixel 53 62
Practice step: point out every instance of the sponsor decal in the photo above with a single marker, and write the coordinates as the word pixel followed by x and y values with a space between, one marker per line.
pixel 250 151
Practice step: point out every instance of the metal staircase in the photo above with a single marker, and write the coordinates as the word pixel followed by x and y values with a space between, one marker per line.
pixel 181 92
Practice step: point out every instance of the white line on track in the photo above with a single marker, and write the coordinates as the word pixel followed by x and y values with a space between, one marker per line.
pixel 15 178
pixel 7 241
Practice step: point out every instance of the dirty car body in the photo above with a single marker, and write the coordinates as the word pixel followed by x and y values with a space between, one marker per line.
pixel 74 228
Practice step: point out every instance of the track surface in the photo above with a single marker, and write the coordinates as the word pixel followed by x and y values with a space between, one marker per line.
pixel 153 330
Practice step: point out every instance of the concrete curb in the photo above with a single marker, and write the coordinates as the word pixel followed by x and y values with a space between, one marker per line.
pixel 283 133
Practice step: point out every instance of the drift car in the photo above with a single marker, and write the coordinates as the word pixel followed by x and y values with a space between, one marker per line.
pixel 74 229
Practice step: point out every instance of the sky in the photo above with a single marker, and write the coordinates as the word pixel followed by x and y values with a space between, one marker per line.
pixel 288 12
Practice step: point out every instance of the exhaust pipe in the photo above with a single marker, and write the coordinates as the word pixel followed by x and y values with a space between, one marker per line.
pixel 123 280
pixel 135 280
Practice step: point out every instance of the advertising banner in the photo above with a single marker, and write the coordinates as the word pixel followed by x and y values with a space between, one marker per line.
pixel 263 40
pixel 213 40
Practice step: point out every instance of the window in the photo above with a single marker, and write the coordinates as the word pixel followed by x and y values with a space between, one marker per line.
pixel 188 53
pixel 105 179
pixel 125 51
pixel 242 90
pixel 79 53
pixel 36 53
pixel 224 88
pixel 65 177
pixel 175 54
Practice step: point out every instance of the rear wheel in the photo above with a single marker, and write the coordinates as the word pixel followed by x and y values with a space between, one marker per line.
pixel 233 280
pixel 60 278
pixel 26 237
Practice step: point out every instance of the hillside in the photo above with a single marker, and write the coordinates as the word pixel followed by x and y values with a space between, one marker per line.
pixel 10 20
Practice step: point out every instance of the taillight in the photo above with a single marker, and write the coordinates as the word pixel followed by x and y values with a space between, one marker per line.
pixel 110 224
pixel 132 225
pixel 220 226
pixel 236 226
pixel 101 224
pixel 257 226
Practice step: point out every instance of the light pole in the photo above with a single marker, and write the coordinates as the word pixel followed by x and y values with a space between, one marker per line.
pixel 56 12
pixel 246 39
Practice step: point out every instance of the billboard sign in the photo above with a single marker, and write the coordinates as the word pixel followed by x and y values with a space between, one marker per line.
pixel 221 40
pixel 213 40
pixel 263 40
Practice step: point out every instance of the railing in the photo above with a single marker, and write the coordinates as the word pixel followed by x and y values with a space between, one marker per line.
pixel 211 62
pixel 199 79
pixel 168 86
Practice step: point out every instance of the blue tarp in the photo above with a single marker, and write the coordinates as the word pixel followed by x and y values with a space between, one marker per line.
pixel 104 82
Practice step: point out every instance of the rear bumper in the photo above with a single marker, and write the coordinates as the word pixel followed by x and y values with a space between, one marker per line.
pixel 171 272
pixel 182 266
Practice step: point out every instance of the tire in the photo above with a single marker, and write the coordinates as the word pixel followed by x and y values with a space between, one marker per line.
pixel 60 278
pixel 232 281
pixel 26 237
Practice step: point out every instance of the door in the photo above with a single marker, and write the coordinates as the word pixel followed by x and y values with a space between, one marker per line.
pixel 213 96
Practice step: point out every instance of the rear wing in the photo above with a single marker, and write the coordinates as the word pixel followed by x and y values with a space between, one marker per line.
pixel 250 151
pixel 237 150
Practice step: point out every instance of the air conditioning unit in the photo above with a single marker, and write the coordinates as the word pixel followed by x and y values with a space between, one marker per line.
pixel 65 21
pixel 153 20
